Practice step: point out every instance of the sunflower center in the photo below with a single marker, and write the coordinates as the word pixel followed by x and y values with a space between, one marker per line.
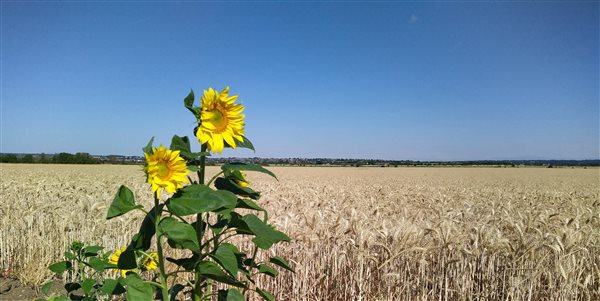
pixel 164 172
pixel 219 119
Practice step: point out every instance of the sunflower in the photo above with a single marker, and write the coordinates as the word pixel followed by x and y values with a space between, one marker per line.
pixel 165 169
pixel 150 262
pixel 243 183
pixel 221 120
pixel 114 259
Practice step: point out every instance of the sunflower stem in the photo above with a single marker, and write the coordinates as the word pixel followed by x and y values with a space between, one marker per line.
pixel 214 178
pixel 159 251
pixel 199 220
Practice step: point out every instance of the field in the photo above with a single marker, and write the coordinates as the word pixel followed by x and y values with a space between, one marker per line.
pixel 359 233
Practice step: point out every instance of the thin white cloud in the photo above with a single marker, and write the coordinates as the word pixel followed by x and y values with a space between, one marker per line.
pixel 413 19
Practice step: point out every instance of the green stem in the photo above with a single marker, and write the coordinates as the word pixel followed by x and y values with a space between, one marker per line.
pixel 199 219
pixel 159 251
pixel 214 178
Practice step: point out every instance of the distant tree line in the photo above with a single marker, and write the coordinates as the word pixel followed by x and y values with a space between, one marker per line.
pixel 60 158
pixel 85 158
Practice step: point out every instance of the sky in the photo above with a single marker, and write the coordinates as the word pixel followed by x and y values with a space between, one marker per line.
pixel 378 80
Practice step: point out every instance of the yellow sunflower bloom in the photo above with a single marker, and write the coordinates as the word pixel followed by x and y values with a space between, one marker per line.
pixel 243 183
pixel 166 169
pixel 151 262
pixel 114 259
pixel 221 120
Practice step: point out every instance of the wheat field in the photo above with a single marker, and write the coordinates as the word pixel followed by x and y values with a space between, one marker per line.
pixel 359 233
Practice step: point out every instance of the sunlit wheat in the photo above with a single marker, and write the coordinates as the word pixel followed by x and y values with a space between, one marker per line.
pixel 359 233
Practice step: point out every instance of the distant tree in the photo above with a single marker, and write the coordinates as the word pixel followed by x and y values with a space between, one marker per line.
pixel 63 158
pixel 27 159
pixel 9 158
pixel 44 159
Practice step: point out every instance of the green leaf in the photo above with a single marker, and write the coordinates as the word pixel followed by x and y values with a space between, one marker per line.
pixel 282 263
pixel 244 144
pixel 127 259
pixel 122 203
pixel 198 198
pixel 226 258
pixel 230 295
pixel 182 234
pixel 245 167
pixel 210 270
pixel 111 287
pixel 188 102
pixel 137 289
pixel 69 255
pixel 148 148
pixel 265 294
pixel 97 264
pixel 226 184
pixel 143 239
pixel 239 224
pixel 181 144
pixel 174 290
pixel 248 204
pixel 72 286
pixel 91 250
pixel 46 287
pixel 265 234
pixel 57 298
pixel 187 263
pixel 60 267
pixel 87 285
pixel 265 269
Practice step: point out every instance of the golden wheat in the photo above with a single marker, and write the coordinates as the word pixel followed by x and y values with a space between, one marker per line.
pixel 359 233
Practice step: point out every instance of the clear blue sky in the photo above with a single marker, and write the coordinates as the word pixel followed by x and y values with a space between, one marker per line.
pixel 389 80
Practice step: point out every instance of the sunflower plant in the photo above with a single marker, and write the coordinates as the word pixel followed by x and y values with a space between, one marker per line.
pixel 89 270
pixel 218 224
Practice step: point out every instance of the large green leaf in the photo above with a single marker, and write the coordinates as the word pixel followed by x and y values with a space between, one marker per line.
pixel 226 258
pixel 174 290
pixel 245 143
pixel 265 269
pixel 60 267
pixel 180 233
pixel 87 285
pixel 226 184
pixel 227 168
pixel 230 295
pixel 237 221
pixel 98 264
pixel 265 234
pixel 187 263
pixel 46 287
pixel 137 289
pixel 111 287
pixel 127 259
pixel 143 239
pixel 282 263
pixel 181 144
pixel 265 294
pixel 91 250
pixel 248 204
pixel 210 270
pixel 194 199
pixel 122 203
